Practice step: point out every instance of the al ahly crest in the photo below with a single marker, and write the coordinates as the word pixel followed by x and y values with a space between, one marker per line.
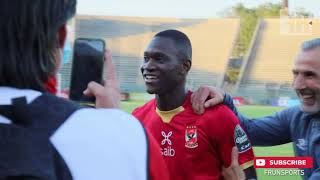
pixel 191 137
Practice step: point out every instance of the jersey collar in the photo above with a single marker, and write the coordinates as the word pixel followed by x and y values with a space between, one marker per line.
pixel 166 116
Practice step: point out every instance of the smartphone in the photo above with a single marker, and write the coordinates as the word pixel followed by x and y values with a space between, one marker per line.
pixel 87 66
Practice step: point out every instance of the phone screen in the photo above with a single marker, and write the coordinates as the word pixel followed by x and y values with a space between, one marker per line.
pixel 88 59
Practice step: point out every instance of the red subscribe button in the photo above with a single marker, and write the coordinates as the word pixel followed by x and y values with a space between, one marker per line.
pixel 283 162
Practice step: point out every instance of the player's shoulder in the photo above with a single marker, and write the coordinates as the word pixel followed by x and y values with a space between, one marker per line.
pixel 218 109
pixel 144 108
pixel 218 114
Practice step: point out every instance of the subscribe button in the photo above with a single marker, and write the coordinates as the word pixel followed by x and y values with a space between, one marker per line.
pixel 283 162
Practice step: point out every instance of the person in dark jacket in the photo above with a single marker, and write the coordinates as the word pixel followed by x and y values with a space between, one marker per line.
pixel 43 137
pixel 299 124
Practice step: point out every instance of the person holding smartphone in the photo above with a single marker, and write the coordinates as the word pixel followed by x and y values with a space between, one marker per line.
pixel 45 137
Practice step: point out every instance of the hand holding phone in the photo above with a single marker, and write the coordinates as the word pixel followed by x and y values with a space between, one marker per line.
pixel 108 95
pixel 88 64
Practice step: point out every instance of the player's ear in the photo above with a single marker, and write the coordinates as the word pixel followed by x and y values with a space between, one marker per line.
pixel 186 65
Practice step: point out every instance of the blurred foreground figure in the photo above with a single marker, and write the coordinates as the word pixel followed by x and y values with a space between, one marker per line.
pixel 44 137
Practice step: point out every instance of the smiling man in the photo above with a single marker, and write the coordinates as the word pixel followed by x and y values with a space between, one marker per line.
pixel 194 147
pixel 306 72
pixel 298 124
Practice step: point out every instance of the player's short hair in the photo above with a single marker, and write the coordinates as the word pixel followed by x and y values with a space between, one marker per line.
pixel 311 44
pixel 181 40
pixel 28 40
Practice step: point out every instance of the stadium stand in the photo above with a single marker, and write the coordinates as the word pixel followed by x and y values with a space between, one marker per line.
pixel 267 73
pixel 212 41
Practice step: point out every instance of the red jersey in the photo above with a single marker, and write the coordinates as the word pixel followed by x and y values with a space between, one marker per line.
pixel 157 167
pixel 195 146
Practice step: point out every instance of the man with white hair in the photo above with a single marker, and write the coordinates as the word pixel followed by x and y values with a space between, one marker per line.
pixel 299 124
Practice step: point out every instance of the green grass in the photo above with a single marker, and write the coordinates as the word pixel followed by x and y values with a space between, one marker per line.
pixel 249 111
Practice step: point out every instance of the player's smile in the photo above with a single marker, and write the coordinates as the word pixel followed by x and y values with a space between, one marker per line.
pixel 150 78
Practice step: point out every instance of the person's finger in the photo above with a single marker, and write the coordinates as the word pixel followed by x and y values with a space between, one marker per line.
pixel 212 102
pixel 228 174
pixel 192 97
pixel 216 98
pixel 205 93
pixel 199 99
pixel 106 97
pixel 109 67
pixel 87 92
pixel 194 100
pixel 94 89
pixel 234 156
pixel 110 72
pixel 235 164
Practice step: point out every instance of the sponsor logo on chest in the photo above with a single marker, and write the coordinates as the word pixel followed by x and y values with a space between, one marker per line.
pixel 191 141
pixel 167 150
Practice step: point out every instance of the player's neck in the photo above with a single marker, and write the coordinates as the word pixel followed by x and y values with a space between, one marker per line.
pixel 171 100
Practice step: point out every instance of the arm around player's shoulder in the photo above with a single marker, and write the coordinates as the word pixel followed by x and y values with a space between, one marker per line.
pixel 289 114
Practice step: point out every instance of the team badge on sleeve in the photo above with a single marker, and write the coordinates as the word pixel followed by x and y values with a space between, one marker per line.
pixel 191 137
pixel 241 139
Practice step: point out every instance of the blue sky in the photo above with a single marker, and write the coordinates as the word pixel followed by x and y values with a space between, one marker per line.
pixel 178 8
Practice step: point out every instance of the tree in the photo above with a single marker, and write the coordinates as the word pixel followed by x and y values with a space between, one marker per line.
pixel 249 18
pixel 248 21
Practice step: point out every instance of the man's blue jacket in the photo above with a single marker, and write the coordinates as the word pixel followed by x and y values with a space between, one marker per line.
pixel 288 125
